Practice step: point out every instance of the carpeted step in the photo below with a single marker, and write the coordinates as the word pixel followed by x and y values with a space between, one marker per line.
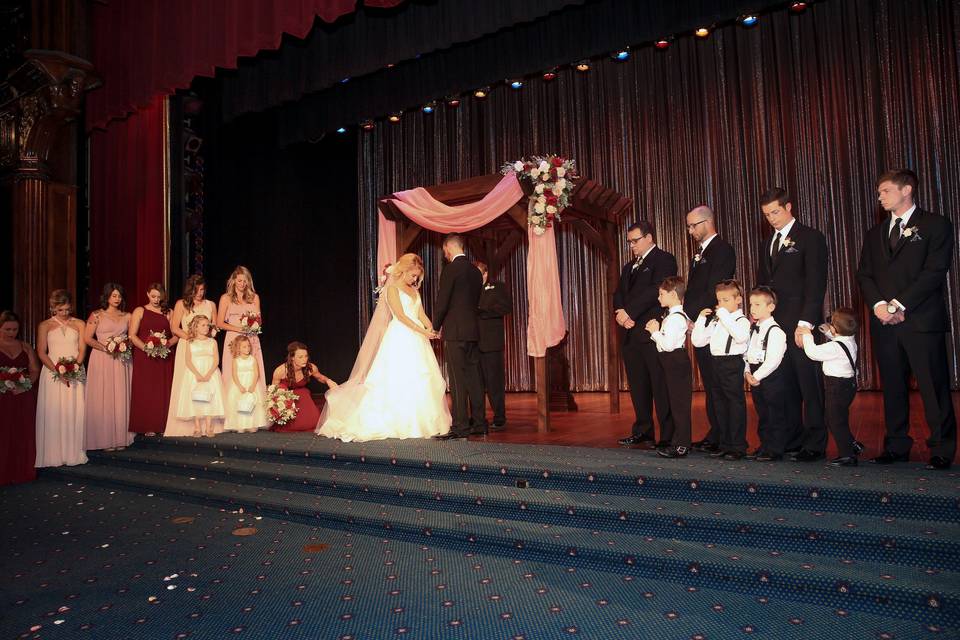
pixel 904 491
pixel 920 543
pixel 893 590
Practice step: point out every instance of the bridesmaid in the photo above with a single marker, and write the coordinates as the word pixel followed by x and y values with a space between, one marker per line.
pixel 152 377
pixel 239 299
pixel 18 438
pixel 191 304
pixel 108 378
pixel 60 403
pixel 295 374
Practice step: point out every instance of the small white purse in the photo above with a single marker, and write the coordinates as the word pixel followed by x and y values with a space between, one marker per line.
pixel 248 402
pixel 201 393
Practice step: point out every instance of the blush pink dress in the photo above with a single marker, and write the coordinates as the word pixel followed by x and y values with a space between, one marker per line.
pixel 108 391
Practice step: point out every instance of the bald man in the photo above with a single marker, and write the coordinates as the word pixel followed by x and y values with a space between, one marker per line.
pixel 713 262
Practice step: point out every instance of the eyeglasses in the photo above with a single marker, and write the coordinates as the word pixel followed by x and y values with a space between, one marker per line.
pixel 634 240
pixel 693 225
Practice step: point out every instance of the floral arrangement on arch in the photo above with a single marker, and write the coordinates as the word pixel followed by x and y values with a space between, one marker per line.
pixel 551 178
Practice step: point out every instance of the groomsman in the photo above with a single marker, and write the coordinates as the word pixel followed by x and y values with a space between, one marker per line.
pixel 635 303
pixel 793 262
pixel 903 277
pixel 713 262
pixel 495 303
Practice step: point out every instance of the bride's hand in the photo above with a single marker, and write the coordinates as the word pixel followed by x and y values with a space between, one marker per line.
pixel 332 384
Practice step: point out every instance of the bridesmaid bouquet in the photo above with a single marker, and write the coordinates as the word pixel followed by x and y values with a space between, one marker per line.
pixel 70 370
pixel 281 404
pixel 252 323
pixel 156 345
pixel 14 378
pixel 119 347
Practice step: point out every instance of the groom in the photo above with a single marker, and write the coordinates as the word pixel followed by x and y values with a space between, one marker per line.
pixel 455 313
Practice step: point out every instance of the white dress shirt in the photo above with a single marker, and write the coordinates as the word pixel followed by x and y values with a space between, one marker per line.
pixel 673 330
pixel 727 327
pixel 784 232
pixel 705 243
pixel 835 361
pixel 776 348
pixel 904 222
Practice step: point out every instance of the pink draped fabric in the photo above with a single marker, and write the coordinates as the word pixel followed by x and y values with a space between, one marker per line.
pixel 545 325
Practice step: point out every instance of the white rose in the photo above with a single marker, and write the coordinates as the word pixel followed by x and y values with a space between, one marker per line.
pixel 561 183
pixel 539 207
pixel 62 369
pixel 538 188
pixel 150 346
pixel 123 347
pixel 534 173
pixel 9 384
pixel 556 190
pixel 518 166
pixel 256 325
pixel 551 208
pixel 544 176
pixel 542 200
pixel 544 166
pixel 561 172
pixel 538 231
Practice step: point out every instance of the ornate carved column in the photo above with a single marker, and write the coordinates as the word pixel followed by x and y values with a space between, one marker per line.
pixel 38 101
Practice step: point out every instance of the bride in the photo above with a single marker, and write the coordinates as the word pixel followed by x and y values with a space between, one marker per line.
pixel 395 389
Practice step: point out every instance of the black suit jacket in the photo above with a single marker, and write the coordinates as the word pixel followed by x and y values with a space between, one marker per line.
pixel 798 275
pixel 495 302
pixel 718 262
pixel 456 308
pixel 639 296
pixel 915 273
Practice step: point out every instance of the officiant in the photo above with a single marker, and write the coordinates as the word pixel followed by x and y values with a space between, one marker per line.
pixel 495 303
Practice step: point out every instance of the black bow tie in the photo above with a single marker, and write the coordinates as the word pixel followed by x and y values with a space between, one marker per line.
pixel 755 328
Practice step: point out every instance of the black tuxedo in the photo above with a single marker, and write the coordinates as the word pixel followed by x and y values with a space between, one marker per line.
pixel 798 275
pixel 915 274
pixel 637 295
pixel 455 312
pixel 495 303
pixel 717 262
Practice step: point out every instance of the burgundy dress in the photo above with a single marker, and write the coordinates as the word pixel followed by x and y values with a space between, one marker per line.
pixel 152 379
pixel 309 414
pixel 18 439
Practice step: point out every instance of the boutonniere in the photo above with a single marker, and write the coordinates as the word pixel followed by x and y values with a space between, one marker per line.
pixel 487 287
pixel 697 258
pixel 912 233
pixel 787 242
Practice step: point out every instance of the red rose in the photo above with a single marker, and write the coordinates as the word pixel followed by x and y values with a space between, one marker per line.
pixel 558 161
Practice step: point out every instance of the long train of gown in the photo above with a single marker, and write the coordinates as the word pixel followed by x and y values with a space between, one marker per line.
pixel 403 395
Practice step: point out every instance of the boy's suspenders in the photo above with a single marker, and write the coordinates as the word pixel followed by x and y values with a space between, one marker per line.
pixel 846 351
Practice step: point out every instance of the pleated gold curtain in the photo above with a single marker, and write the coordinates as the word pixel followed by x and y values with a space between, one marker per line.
pixel 819 103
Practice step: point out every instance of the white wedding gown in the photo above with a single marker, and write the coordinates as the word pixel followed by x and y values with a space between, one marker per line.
pixel 401 395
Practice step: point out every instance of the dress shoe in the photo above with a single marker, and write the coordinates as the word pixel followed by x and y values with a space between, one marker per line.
pixel 751 455
pixel 888 457
pixel 858 446
pixel 479 430
pixel 629 441
pixel 806 455
pixel 673 452
pixel 497 427
pixel 733 455
pixel 793 450
pixel 844 461
pixel 703 445
pixel 763 456
pixel 719 453
pixel 451 435
pixel 939 463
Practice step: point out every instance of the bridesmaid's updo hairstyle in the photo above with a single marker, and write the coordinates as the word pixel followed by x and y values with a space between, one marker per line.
pixel 408 262
pixel 58 298
pixel 248 293
pixel 9 316
pixel 164 301
pixel 194 323
pixel 190 289
pixel 108 290
pixel 292 349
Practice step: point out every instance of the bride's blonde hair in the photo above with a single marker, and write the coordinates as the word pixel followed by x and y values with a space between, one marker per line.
pixel 407 262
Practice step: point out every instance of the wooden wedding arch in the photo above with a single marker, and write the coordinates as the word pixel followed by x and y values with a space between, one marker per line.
pixel 595 210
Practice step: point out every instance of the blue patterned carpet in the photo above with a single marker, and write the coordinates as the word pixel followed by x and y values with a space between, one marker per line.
pixel 424 539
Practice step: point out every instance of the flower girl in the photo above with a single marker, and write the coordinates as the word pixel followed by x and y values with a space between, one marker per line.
pixel 201 395
pixel 245 399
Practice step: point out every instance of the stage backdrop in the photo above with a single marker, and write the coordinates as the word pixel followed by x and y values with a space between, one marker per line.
pixel 820 103
pixel 289 216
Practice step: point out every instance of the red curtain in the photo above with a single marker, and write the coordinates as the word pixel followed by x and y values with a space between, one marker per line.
pixel 145 48
pixel 126 203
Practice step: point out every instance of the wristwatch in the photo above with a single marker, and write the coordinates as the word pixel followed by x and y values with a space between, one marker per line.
pixel 892 308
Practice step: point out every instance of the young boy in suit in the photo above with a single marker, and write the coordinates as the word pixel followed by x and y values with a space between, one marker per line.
pixel 726 331
pixel 671 340
pixel 838 358
pixel 768 382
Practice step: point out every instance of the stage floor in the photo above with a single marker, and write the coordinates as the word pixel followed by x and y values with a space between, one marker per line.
pixel 594 426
